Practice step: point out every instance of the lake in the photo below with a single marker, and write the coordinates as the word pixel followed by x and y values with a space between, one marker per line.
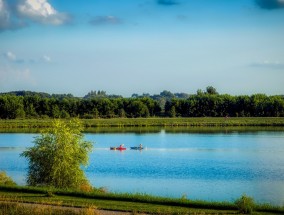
pixel 209 164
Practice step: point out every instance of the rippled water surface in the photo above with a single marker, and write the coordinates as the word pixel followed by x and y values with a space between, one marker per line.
pixel 208 166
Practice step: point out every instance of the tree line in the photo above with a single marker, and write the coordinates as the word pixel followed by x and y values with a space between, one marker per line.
pixel 208 103
pixel 14 107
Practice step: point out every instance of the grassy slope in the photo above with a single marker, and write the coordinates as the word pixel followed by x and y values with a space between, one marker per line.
pixel 148 122
pixel 123 202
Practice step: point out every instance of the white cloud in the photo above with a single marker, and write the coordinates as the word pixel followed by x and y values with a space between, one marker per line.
pixel 18 13
pixel 10 56
pixel 36 8
pixel 41 11
pixel 13 57
pixel 4 15
pixel 46 58
pixel 269 64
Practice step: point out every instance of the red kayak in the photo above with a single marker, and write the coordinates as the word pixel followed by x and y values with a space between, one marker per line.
pixel 118 148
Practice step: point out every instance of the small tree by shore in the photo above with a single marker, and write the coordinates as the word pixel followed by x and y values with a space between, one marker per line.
pixel 6 180
pixel 57 156
pixel 245 204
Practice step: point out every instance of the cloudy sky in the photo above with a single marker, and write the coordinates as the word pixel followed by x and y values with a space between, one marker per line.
pixel 142 46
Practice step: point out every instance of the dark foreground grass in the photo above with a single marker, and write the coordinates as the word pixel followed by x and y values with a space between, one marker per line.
pixel 124 202
pixel 18 208
pixel 151 122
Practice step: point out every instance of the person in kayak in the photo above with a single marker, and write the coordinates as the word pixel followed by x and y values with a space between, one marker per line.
pixel 140 146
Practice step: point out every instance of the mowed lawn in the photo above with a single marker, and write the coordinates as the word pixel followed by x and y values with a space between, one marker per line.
pixel 133 203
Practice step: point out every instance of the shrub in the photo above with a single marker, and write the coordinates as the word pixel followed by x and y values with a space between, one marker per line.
pixel 245 204
pixel 49 194
pixel 5 179
pixel 57 156
pixel 86 187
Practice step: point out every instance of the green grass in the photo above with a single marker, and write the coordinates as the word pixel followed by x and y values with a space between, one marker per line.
pixel 123 202
pixel 19 208
pixel 150 122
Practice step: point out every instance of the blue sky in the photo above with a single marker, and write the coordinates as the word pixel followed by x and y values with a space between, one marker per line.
pixel 142 46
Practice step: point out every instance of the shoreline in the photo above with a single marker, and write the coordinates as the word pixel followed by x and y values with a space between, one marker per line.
pixel 125 202
pixel 153 122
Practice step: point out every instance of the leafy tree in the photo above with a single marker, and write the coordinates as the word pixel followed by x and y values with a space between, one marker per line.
pixel 211 90
pixel 243 106
pixel 181 95
pixel 167 94
pixel 134 95
pixel 11 107
pixel 258 104
pixel 64 114
pixel 245 204
pixel 95 113
pixel 137 108
pixel 45 107
pixel 105 107
pixel 172 112
pixel 5 179
pixel 121 113
pixel 97 104
pixel 277 106
pixel 55 111
pixel 31 104
pixel 153 106
pixel 199 92
pixel 57 156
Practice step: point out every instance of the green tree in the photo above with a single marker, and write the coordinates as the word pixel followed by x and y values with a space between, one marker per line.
pixel 121 113
pixel 167 94
pixel 5 179
pixel 136 108
pixel 245 204
pixel 173 111
pixel 11 107
pixel 211 90
pixel 152 105
pixel 57 156
pixel 199 92
pixel 31 104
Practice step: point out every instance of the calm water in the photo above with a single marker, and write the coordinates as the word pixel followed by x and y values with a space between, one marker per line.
pixel 208 166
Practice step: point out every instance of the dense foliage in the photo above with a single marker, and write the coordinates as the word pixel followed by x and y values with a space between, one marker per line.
pixel 5 179
pixel 57 155
pixel 16 107
pixel 245 204
pixel 210 103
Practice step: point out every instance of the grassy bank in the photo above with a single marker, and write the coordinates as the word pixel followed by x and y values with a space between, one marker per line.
pixel 18 208
pixel 137 203
pixel 151 122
